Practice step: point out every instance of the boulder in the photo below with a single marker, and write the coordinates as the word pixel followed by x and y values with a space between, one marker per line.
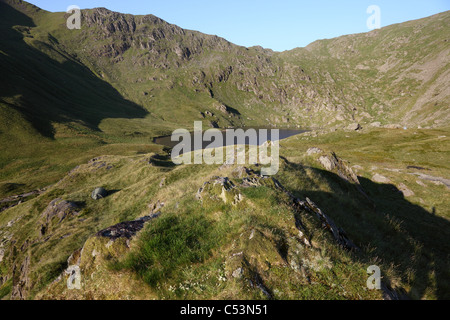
pixel 333 163
pixel 378 178
pixel 222 108
pixel 375 124
pixel 125 229
pixel 238 273
pixel 61 209
pixel 155 208
pixel 99 193
pixel 219 188
pixel 405 190
pixel 326 163
pixel 354 127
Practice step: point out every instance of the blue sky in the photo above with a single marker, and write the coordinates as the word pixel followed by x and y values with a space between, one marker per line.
pixel 278 25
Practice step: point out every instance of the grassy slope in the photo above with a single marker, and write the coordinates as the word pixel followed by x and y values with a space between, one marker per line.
pixel 406 237
pixel 390 69
pixel 420 221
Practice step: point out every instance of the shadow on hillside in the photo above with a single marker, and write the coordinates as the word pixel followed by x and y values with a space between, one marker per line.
pixel 52 91
pixel 402 234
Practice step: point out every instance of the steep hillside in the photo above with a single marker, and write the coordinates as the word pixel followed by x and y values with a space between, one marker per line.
pixel 393 75
pixel 47 84
pixel 401 72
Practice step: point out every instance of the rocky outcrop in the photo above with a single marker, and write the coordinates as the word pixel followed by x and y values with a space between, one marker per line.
pixel 258 250
pixel 21 281
pixel 12 201
pixel 338 234
pixel 99 193
pixel 56 212
pixel 378 178
pixel 225 189
pixel 125 230
pixel 436 180
pixel 332 163
pixel 407 192
pixel 110 244
pixel 313 150
pixel 60 209
pixel 219 188
pixel 354 127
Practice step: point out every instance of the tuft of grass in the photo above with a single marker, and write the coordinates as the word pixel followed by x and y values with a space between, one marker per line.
pixel 169 245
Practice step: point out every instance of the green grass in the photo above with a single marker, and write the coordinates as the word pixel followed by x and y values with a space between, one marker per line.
pixel 170 244
pixel 193 241
pixel 408 233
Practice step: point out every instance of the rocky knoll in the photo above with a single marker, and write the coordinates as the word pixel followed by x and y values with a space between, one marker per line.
pixel 250 257
pixel 106 246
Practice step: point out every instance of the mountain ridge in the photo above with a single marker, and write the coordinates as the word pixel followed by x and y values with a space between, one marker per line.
pixel 308 86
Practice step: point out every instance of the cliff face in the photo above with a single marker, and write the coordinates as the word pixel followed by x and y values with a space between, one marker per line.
pixel 251 80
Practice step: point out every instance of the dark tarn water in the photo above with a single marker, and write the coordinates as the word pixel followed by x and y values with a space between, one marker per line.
pixel 283 134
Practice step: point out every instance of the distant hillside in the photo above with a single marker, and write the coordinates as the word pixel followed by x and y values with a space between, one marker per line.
pixel 398 74
pixel 122 66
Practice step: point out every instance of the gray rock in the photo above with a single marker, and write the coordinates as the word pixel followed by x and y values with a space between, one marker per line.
pixel 238 273
pixel 405 190
pixel 376 124
pixel 125 229
pixel 61 209
pixel 354 127
pixel 222 108
pixel 240 172
pixel 99 193
pixel 435 180
pixel 156 207
pixel 420 183
pixel 326 163
pixel 313 150
pixel 333 163
pixel 378 178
